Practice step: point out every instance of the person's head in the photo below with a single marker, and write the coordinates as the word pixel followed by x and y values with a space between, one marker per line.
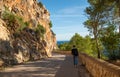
pixel 73 46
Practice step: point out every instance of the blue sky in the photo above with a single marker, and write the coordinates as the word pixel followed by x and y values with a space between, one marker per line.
pixel 67 17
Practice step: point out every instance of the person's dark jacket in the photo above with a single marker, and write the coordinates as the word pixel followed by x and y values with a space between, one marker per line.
pixel 74 52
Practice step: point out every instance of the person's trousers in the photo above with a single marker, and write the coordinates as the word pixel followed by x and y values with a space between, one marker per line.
pixel 75 59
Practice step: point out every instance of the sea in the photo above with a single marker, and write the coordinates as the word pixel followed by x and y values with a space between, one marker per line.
pixel 61 42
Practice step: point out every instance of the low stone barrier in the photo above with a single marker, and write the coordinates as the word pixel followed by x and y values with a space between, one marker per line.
pixel 98 67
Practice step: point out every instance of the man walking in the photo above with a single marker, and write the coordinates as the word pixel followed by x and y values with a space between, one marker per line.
pixel 75 54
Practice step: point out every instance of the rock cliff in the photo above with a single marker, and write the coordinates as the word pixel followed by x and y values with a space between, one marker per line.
pixel 25 31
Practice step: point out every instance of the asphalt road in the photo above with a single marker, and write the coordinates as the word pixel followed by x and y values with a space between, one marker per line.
pixel 56 66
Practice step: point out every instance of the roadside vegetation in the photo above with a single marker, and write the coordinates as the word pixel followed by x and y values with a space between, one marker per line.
pixel 103 24
pixel 84 44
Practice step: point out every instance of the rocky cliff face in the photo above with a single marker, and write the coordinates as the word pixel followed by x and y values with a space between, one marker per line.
pixel 25 32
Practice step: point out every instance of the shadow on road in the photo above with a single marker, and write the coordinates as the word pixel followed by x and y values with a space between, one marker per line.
pixel 57 66
pixel 44 68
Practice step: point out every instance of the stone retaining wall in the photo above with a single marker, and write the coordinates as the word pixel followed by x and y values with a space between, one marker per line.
pixel 99 68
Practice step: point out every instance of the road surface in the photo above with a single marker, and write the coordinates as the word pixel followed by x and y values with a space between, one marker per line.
pixel 56 66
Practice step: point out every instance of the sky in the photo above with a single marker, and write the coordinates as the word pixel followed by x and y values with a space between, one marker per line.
pixel 67 17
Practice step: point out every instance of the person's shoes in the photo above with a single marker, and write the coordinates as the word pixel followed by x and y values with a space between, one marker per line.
pixel 75 66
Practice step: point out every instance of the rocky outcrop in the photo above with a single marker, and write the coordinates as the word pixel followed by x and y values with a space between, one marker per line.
pixel 25 32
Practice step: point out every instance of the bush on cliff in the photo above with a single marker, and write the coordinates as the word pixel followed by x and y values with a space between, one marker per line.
pixel 40 30
pixel 40 4
pixel 50 24
pixel 14 22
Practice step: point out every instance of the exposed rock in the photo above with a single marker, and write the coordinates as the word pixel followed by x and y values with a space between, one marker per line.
pixel 1 62
pixel 4 33
pixel 18 42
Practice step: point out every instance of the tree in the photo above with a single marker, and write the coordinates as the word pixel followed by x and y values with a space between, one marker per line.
pixel 88 45
pixel 110 40
pixel 83 44
pixel 114 7
pixel 96 19
pixel 78 41
pixel 116 4
pixel 65 46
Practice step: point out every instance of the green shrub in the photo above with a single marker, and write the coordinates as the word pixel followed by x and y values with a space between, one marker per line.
pixel 9 17
pixel 13 21
pixel 50 24
pixel 40 4
pixel 23 25
pixel 40 30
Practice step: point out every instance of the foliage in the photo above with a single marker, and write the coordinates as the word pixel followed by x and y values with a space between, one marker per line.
pixel 88 45
pixel 50 24
pixel 94 49
pixel 65 46
pixel 110 40
pixel 98 16
pixel 102 23
pixel 40 30
pixel 40 4
pixel 78 41
pixel 84 44
pixel 21 23
pixel 13 21
pixel 9 17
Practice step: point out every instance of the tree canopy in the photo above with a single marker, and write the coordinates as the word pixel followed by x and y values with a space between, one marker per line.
pixel 103 23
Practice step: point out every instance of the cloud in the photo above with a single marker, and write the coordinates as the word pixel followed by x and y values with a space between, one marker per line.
pixel 71 10
pixel 76 11
pixel 65 15
pixel 70 29
pixel 67 36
